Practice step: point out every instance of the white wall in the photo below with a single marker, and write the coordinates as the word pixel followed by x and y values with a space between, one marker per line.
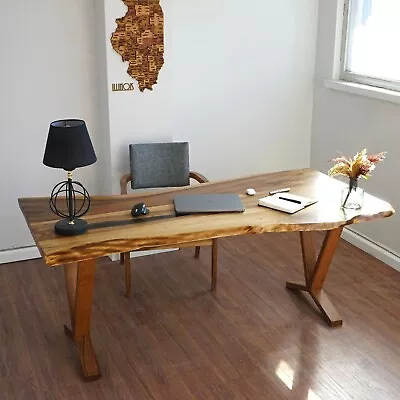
pixel 46 73
pixel 347 123
pixel 103 141
pixel 237 83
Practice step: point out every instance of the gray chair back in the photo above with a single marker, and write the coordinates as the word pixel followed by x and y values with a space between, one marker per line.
pixel 159 164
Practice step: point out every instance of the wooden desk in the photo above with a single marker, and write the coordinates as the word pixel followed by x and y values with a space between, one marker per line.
pixel 79 253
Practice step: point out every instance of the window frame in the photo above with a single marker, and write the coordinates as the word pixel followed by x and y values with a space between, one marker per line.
pixel 354 77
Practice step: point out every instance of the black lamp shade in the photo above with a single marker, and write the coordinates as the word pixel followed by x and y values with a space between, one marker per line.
pixel 68 145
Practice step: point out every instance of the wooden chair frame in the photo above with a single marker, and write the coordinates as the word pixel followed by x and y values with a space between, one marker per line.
pixel 125 257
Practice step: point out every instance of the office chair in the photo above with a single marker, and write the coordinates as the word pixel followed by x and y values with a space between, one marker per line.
pixel 155 165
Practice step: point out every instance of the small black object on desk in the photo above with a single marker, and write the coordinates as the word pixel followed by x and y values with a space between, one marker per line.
pixel 139 209
pixel 292 200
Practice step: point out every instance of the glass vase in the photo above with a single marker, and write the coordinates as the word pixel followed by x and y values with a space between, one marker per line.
pixel 352 196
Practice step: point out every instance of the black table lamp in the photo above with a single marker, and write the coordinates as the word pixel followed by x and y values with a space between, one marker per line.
pixel 68 146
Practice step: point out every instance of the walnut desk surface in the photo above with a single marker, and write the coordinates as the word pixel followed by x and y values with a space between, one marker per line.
pixel 324 215
pixel 79 252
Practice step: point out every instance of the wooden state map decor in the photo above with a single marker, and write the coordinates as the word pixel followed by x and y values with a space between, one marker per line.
pixel 139 39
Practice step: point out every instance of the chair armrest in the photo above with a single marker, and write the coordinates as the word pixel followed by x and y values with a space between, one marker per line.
pixel 125 179
pixel 123 183
pixel 198 177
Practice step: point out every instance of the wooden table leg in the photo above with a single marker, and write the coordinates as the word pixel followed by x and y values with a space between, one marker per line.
pixel 214 264
pixel 128 279
pixel 79 280
pixel 315 272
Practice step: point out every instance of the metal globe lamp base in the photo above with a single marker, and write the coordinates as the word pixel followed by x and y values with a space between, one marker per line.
pixel 77 201
pixel 65 227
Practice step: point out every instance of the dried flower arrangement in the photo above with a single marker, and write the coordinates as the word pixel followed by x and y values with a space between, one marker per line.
pixel 361 165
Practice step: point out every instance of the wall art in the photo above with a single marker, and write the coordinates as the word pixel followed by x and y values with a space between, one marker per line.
pixel 139 39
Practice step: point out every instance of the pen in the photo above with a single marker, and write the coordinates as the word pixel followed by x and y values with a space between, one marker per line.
pixel 279 191
pixel 292 200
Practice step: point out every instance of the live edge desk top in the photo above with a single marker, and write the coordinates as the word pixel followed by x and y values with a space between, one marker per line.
pixel 79 253
pixel 324 215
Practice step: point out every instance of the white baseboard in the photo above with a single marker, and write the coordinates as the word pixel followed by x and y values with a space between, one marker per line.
pixel 370 247
pixel 29 253
pixel 24 253
pixel 115 257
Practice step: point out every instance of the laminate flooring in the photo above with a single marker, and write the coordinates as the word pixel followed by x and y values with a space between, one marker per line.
pixel 175 339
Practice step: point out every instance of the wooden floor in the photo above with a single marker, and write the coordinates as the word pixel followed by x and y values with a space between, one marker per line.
pixel 174 339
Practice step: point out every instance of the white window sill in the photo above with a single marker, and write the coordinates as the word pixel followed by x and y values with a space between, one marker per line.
pixel 364 90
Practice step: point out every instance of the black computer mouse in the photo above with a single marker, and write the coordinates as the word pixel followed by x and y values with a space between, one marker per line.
pixel 139 209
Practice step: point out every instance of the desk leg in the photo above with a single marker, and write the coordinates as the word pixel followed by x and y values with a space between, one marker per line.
pixel 79 280
pixel 128 279
pixel 214 264
pixel 315 272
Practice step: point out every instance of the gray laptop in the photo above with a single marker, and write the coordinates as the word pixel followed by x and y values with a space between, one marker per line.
pixel 207 203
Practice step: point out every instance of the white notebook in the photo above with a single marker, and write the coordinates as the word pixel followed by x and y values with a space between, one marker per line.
pixel 286 202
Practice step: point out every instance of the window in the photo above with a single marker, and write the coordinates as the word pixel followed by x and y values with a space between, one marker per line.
pixel 371 43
